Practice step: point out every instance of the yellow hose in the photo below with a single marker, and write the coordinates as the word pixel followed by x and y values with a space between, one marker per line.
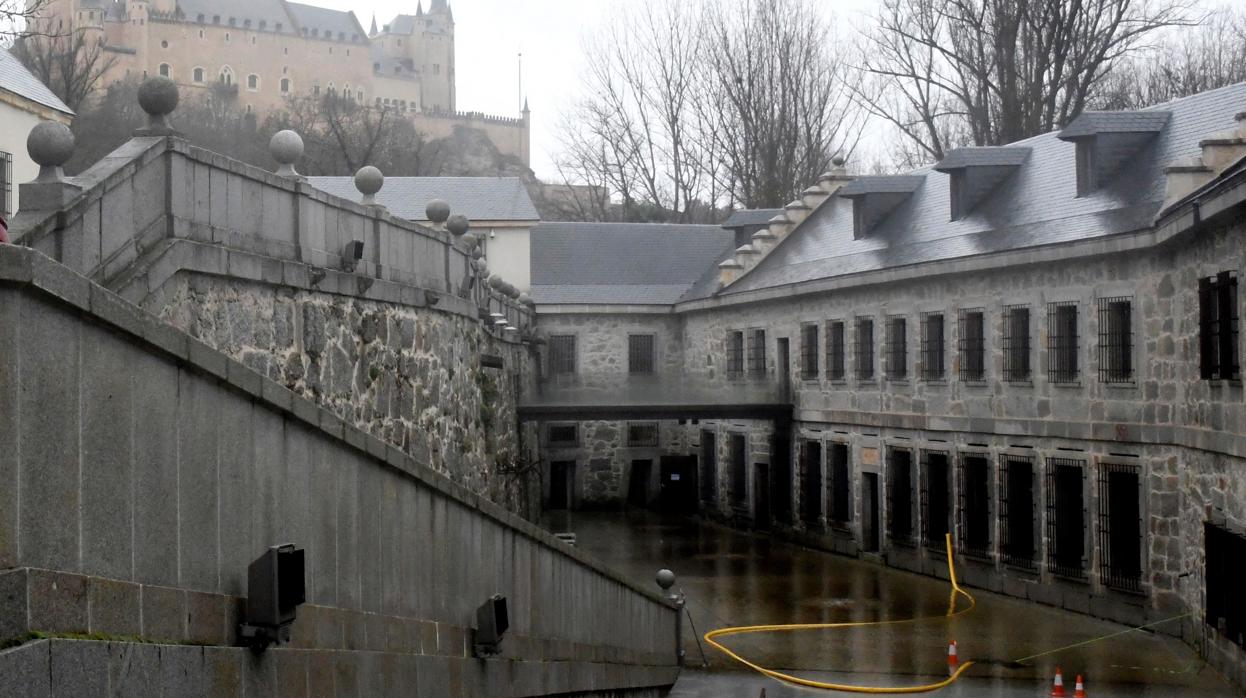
pixel 951 612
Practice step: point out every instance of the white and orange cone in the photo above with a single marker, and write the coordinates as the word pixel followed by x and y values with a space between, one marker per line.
pixel 1079 690
pixel 1057 686
pixel 953 661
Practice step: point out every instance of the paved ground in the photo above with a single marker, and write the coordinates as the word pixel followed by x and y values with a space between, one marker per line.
pixel 733 578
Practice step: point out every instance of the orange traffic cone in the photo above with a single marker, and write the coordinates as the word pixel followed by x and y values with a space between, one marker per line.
pixel 1079 689
pixel 953 662
pixel 1057 686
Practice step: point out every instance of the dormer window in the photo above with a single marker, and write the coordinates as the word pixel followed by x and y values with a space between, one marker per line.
pixel 975 172
pixel 875 197
pixel 1105 141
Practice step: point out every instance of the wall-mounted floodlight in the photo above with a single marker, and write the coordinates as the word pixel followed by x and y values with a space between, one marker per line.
pixel 492 621
pixel 352 252
pixel 275 589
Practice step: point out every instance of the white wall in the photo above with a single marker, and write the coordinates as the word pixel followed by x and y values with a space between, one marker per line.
pixel 509 251
pixel 15 125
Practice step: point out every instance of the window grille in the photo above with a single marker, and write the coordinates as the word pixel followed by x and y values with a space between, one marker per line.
pixel 972 330
pixel 709 467
pixel 1217 315
pixel 561 354
pixel 1120 527
pixel 974 504
pixel 809 352
pixel 811 483
pixel 1016 343
pixel 932 346
pixel 865 348
pixel 564 434
pixel 835 350
pixel 1085 166
pixel 1116 340
pixel 739 468
pixel 1066 517
pixel 897 348
pixel 1016 511
pixel 935 499
pixel 735 353
pixel 643 434
pixel 1062 342
pixel 900 496
pixel 757 353
pixel 1225 567
pixel 6 184
pixel 640 353
pixel 841 485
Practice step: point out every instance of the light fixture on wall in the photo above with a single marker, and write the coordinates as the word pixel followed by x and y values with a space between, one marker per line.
pixel 492 621
pixel 275 589
pixel 352 252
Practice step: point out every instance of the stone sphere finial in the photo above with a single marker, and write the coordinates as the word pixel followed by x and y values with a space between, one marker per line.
pixel 477 253
pixel 479 265
pixel 665 579
pixel 524 299
pixel 158 96
pixel 369 180
pixel 495 282
pixel 457 224
pixel 50 144
pixel 837 161
pixel 286 147
pixel 437 211
pixel 469 240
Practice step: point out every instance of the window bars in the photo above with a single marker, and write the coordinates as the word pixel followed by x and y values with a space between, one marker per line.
pixel 935 499
pixel 841 485
pixel 1116 340
pixel 971 330
pixel 6 185
pixel 897 348
pixel 1016 511
pixel 1066 517
pixel 561 354
pixel 1016 343
pixel 1062 342
pixel 642 434
pixel 1120 527
pixel 757 353
pixel 1217 327
pixel 900 496
pixel 865 348
pixel 735 354
pixel 739 468
pixel 811 483
pixel 640 353
pixel 835 368
pixel 932 346
pixel 562 434
pixel 809 351
pixel 709 467
pixel 974 504
pixel 1225 567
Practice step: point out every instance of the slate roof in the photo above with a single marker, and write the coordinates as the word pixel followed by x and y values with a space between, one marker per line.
pixel 1038 205
pixel 16 79
pixel 402 24
pixel 974 156
pixel 478 198
pixel 751 216
pixel 343 26
pixel 1094 122
pixel 622 263
pixel 271 12
pixel 881 184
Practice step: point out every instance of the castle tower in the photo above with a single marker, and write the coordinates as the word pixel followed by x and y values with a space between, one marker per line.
pixel 436 57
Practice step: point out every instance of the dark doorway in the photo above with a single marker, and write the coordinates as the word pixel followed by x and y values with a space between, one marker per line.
pixel 1017 511
pixel 900 495
pixel 561 479
pixel 709 467
pixel 869 512
pixel 937 493
pixel 841 485
pixel 975 505
pixel 739 468
pixel 1120 527
pixel 811 484
pixel 784 368
pixel 677 491
pixel 761 496
pixel 638 483
pixel 781 476
pixel 1225 554
pixel 1066 517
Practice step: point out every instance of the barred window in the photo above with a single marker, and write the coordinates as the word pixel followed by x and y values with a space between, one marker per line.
pixel 897 348
pixel 640 353
pixel 1217 327
pixel 735 353
pixel 811 483
pixel 936 495
pixel 809 351
pixel 564 434
pixel 1016 343
pixel 835 350
pixel 971 324
pixel 561 354
pixel 1062 342
pixel 1116 340
pixel 973 504
pixel 932 346
pixel 1066 517
pixel 642 434
pixel 900 495
pixel 709 467
pixel 739 468
pixel 6 184
pixel 757 353
pixel 1120 527
pixel 865 348
pixel 1225 557
pixel 1016 510
pixel 841 485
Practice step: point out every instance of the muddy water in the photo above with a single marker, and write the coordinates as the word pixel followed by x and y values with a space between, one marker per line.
pixel 732 578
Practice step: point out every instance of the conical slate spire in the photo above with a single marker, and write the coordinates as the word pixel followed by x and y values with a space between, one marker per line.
pixel 372 31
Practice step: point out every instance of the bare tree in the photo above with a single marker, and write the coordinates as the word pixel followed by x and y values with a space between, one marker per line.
pixel 949 72
pixel 20 17
pixel 70 64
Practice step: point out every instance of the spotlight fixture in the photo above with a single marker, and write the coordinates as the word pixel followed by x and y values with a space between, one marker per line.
pixel 492 621
pixel 275 589
pixel 352 252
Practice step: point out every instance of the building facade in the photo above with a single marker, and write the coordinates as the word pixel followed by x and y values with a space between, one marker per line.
pixel 24 102
pixel 1033 349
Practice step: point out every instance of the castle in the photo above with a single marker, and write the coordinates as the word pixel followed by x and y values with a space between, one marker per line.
pixel 267 51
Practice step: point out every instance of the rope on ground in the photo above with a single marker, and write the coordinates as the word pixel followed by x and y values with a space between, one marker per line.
pixel 711 636
pixel 1101 638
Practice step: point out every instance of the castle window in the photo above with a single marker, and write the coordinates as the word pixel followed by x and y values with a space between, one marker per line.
pixel 200 33
pixel 897 348
pixel 263 24
pixel 932 346
pixel 400 42
pixel 360 95
pixel 246 23
pixel 973 505
pixel 640 351
pixel 1115 340
pixel 226 76
pixel 971 328
pixel 1016 343
pixel 376 67
pixel 642 434
pixel 227 37
pixel 1062 342
pixel 1120 527
pixel 1226 610
pixel 164 44
pixel 865 348
pixel 232 21
pixel 1066 517
pixel 811 483
pixel 253 41
pixel 253 82
pixel 285 50
pixel 739 468
pixel 935 499
pixel 1217 327
pixel 841 485
pixel 330 50
pixel 341 36
pixel 348 52
pixel 566 434
pixel 735 354
pixel 165 69
pixel 200 18
pixel 809 351
pixel 757 353
pixel 900 495
pixel 709 467
pixel 285 85
pixel 216 19
pixel 561 354
pixel 835 350
pixel 1016 511
pixel 197 75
